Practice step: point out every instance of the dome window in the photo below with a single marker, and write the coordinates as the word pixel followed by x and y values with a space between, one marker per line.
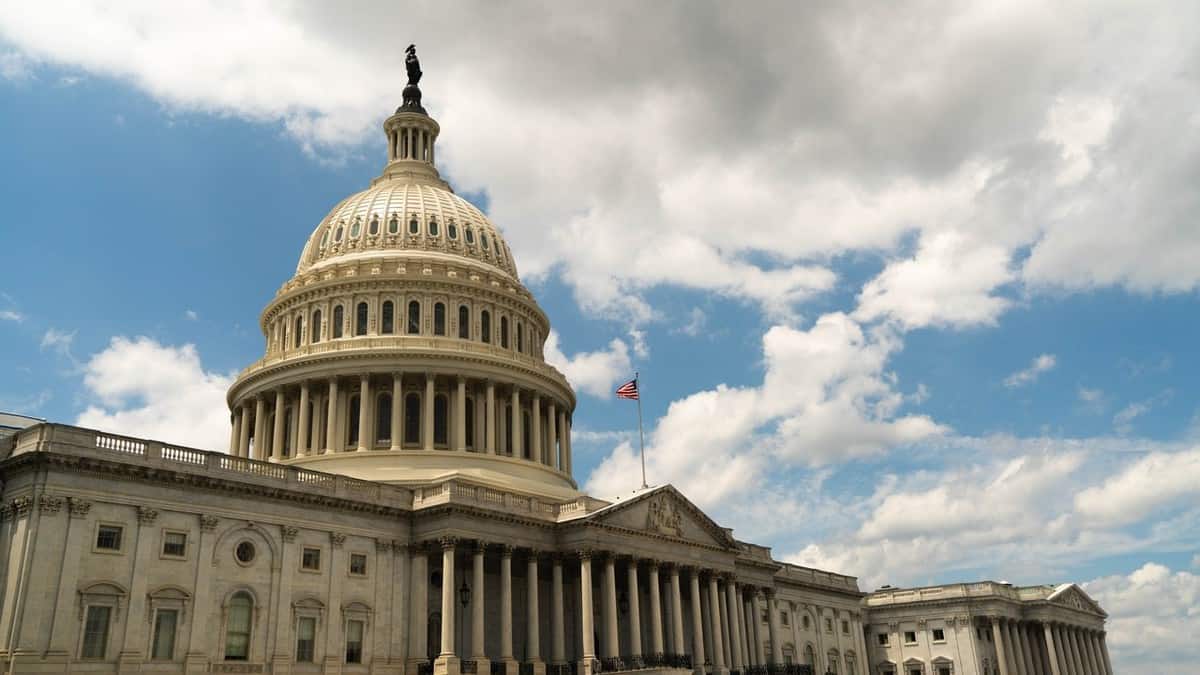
pixel 352 421
pixel 433 226
pixel 338 318
pixel 441 415
pixel 414 226
pixel 337 234
pixel 452 230
pixel 360 319
pixel 383 418
pixel 412 419
pixel 374 228
pixel 439 319
pixel 414 318
pixel 485 326
pixel 394 225
pixel 504 332
pixel 470 235
pixel 483 240
pixel 520 338
pixel 297 333
pixel 324 238
pixel 464 322
pixel 315 327
pixel 356 229
pixel 388 323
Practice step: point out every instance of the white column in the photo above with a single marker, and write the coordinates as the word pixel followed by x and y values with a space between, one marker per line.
pixel 566 433
pixel 697 622
pixel 585 612
pixel 612 641
pixel 479 597
pixel 303 430
pixel 1103 640
pixel 656 624
pixel 1061 650
pixel 535 424
pixel 427 423
pixel 397 403
pixel 552 435
pixel 514 430
pixel 364 407
pixel 460 415
pixel 1023 642
pixel 244 432
pixel 1051 651
pixel 260 424
pixel 635 614
pixel 1076 659
pixel 331 417
pixel 558 646
pixel 714 621
pixel 533 645
pixel 448 599
pixel 419 631
pixel 506 629
pixel 773 629
pixel 235 423
pixel 1085 647
pixel 735 630
pixel 998 639
pixel 489 436
pixel 676 611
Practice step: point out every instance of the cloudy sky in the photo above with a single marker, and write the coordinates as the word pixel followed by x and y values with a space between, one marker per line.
pixel 912 286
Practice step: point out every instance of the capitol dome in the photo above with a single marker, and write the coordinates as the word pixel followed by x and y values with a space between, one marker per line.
pixel 405 348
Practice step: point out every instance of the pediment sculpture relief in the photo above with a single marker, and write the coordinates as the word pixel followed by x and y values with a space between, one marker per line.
pixel 662 515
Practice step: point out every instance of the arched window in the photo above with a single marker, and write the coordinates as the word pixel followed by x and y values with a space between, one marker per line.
pixel 374 229
pixel 485 326
pixel 394 225
pixel 469 441
pixel 356 229
pixel 520 338
pixel 440 420
pixel 439 319
pixel 470 235
pixel 412 419
pixel 526 437
pixel 324 238
pixel 388 318
pixel 414 226
pixel 338 321
pixel 483 240
pixel 414 318
pixel 337 234
pixel 810 657
pixel 283 341
pixel 360 319
pixel 287 437
pixel 832 666
pixel 434 230
pixel 314 327
pixel 352 421
pixel 237 627
pixel 299 329
pixel 464 322
pixel 504 332
pixel 383 418
pixel 452 230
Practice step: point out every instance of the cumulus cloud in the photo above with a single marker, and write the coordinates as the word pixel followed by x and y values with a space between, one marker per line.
pixel 11 315
pixel 1153 621
pixel 595 372
pixel 1039 365
pixel 140 387
pixel 1155 481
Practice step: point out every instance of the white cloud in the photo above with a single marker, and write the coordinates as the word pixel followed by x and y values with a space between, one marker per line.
pixel 15 67
pixel 140 387
pixel 1123 420
pixel 594 373
pixel 696 323
pixel 1040 364
pixel 190 315
pixel 59 342
pixel 1153 619
pixel 11 315
pixel 1154 482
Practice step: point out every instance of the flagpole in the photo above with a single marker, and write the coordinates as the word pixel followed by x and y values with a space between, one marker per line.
pixel 641 434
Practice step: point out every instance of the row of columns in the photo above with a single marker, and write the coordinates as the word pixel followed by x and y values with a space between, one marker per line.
pixel 411 143
pixel 1026 648
pixel 323 436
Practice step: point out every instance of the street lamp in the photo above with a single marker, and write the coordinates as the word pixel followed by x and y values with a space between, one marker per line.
pixel 464 598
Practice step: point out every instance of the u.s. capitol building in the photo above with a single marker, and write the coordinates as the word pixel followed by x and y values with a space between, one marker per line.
pixel 398 498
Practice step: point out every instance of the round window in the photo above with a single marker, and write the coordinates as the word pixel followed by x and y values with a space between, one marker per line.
pixel 244 553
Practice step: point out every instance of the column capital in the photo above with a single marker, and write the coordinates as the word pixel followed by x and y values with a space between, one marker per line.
pixel 448 543
pixel 479 546
pixel 585 554
pixel 506 551
pixel 532 553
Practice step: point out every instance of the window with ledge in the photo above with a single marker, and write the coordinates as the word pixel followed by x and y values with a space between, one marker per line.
pixel 352 421
pixel 374 229
pixel 356 229
pixel 162 645
pixel 324 238
pixel 845 627
pixel 469 234
pixel 306 639
pixel 828 625
pixel 387 323
pixel 910 637
pixel 440 420
pixel 337 234
pixel 485 326
pixel 939 635
pixel 412 419
pixel 360 319
pixel 784 618
pixel 414 318
pixel 483 240
pixel 383 418
pixel 464 322
pixel 439 319
pixel 452 230
pixel 108 537
pixel 298 332
pixel 338 321
pixel 394 225
pixel 469 425
pixel 174 544
pixel 354 640
pixel 805 622
pixel 504 332
pixel 95 632
pixel 310 559
pixel 358 564
pixel 314 327
pixel 414 225
pixel 520 338
pixel 434 230
pixel 237 627
pixel 883 639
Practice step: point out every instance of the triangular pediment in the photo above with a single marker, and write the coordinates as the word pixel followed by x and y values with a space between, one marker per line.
pixel 664 511
pixel 1070 595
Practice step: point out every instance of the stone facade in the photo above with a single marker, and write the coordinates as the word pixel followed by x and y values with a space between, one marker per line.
pixel 398 497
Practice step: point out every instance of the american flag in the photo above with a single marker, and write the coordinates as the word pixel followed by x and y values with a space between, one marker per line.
pixel 628 390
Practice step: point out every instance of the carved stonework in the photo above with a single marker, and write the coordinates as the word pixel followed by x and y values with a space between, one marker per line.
pixel 208 523
pixel 400 547
pixel 337 538
pixel 663 516
pixel 49 505
pixel 77 507
pixel 146 515
pixel 288 532
pixel 21 506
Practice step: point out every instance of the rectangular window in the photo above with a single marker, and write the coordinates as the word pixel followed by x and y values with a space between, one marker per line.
pixel 354 640
pixel 108 537
pixel 883 639
pixel 358 564
pixel 846 627
pixel 942 670
pixel 910 638
pixel 306 637
pixel 95 632
pixel 174 544
pixel 783 618
pixel 828 625
pixel 914 671
pixel 163 647
pixel 939 635
pixel 310 559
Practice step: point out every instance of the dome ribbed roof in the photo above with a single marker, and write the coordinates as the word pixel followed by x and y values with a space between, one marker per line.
pixel 380 221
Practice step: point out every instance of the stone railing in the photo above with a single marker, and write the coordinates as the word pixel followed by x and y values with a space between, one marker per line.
pixel 983 589
pixel 459 492
pixel 67 440
pixel 815 577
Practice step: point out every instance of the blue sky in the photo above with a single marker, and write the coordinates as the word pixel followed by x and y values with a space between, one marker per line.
pixel 921 310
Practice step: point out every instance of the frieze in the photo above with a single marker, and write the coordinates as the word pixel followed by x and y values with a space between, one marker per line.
pixel 662 515
pixel 49 505
pixel 21 506
pixel 78 508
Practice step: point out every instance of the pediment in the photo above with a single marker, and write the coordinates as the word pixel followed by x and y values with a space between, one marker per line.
pixel 1070 595
pixel 664 512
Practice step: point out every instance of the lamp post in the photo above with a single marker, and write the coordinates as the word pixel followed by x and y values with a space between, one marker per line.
pixel 464 599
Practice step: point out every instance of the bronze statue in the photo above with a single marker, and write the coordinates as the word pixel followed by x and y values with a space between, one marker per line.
pixel 412 93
